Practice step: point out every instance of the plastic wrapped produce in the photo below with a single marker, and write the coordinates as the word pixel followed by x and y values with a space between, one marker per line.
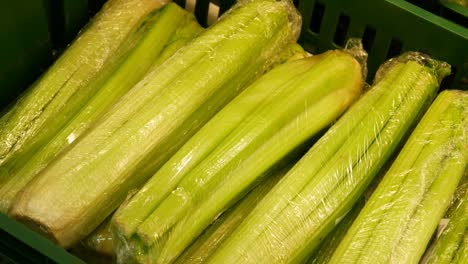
pixel 451 245
pixel 399 219
pixel 325 250
pixel 65 87
pixel 323 186
pixel 101 240
pixel 73 195
pixel 222 228
pixel 141 51
pixel 260 128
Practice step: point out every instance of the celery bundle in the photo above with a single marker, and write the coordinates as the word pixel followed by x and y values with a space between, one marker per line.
pixel 144 48
pixel 303 208
pixel 222 228
pixel 66 86
pixel 84 184
pixel 451 246
pixel 400 217
pixel 226 158
pixel 101 240
pixel 325 250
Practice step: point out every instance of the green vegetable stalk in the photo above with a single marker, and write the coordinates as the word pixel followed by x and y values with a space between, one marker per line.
pixel 323 186
pixel 451 245
pixel 291 106
pixel 325 250
pixel 140 52
pixel 101 240
pixel 197 148
pixel 223 227
pixel 402 214
pixel 73 195
pixel 67 85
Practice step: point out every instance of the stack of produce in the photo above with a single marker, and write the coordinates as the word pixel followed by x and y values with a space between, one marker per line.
pixel 69 198
pixel 207 243
pixel 397 222
pixel 153 140
pixel 324 185
pixel 327 247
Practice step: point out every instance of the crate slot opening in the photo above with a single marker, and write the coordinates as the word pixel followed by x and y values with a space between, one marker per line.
pixel 448 81
pixel 395 48
pixel 317 15
pixel 368 38
pixel 341 30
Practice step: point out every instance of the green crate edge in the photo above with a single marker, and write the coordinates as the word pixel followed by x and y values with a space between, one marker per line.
pixel 36 241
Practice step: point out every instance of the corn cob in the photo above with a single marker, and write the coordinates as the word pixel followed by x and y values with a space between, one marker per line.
pixel 141 51
pixel 152 121
pixel 304 207
pixel 399 219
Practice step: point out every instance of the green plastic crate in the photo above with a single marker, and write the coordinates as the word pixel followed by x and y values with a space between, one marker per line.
pixel 387 27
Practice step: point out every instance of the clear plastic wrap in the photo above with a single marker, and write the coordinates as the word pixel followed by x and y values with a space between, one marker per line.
pixel 327 247
pixel 82 186
pixel 101 240
pixel 207 243
pixel 52 100
pixel 399 219
pixel 137 55
pixel 270 120
pixel 322 187
pixel 451 243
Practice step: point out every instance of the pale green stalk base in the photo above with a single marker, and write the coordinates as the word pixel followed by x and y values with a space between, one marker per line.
pixel 138 53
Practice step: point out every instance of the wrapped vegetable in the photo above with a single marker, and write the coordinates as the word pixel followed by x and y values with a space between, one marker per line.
pixel 101 240
pixel 75 193
pixel 323 186
pixel 451 245
pixel 261 127
pixel 400 217
pixel 325 250
pixel 67 85
pixel 223 227
pixel 141 51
